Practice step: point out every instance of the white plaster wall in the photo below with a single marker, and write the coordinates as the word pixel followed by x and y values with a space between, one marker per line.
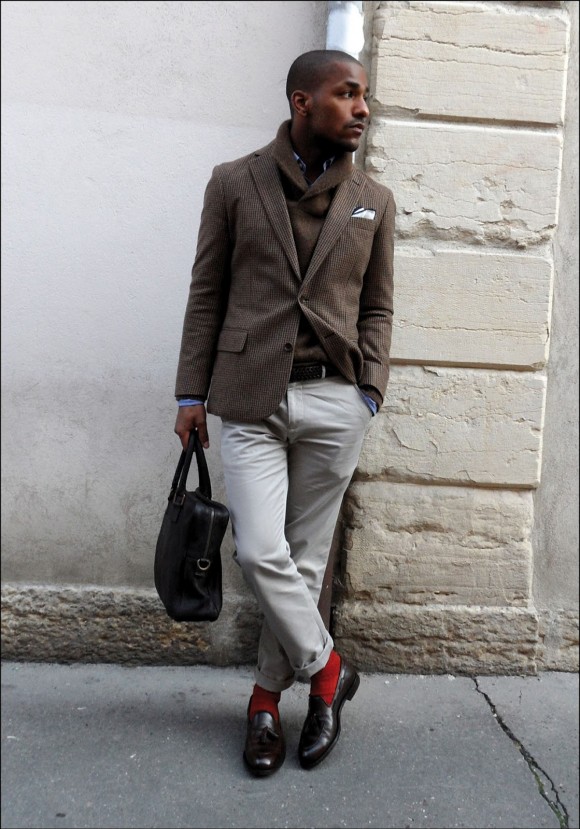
pixel 113 115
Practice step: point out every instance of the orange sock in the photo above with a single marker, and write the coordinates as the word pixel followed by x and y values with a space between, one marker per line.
pixel 323 684
pixel 263 700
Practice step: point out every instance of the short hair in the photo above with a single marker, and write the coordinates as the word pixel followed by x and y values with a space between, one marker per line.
pixel 309 69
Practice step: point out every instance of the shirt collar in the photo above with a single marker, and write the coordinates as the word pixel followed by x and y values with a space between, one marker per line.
pixel 302 165
pixel 285 157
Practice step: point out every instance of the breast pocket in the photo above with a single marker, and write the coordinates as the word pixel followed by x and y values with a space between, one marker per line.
pixel 366 225
pixel 357 248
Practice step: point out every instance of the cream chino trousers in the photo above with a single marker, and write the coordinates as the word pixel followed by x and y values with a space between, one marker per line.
pixel 285 477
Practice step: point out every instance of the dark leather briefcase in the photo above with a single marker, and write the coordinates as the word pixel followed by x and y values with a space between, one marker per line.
pixel 188 567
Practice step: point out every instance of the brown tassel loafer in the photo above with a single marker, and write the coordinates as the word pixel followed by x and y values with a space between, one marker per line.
pixel 265 748
pixel 321 728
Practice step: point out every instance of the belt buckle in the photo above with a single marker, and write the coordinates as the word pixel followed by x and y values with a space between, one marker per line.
pixel 323 370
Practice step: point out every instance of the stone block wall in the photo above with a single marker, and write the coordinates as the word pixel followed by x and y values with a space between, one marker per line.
pixel 437 565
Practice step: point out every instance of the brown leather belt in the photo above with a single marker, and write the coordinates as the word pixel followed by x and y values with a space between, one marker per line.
pixel 312 371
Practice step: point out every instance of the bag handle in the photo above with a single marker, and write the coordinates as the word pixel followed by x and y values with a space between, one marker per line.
pixel 177 493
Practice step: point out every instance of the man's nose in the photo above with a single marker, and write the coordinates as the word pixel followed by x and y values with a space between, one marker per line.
pixel 361 108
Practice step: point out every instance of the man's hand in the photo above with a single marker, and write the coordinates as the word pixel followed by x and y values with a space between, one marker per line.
pixel 188 419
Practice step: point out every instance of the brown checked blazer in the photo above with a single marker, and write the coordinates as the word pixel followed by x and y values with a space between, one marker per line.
pixel 247 292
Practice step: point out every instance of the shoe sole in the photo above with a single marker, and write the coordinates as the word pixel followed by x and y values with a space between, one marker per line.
pixel 354 685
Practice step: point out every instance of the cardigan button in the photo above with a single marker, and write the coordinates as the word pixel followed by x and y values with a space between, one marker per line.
pixel 288 347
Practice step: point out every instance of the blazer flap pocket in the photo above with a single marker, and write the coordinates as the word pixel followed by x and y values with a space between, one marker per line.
pixel 232 339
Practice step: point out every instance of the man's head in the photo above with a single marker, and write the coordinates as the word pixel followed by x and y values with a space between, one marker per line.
pixel 327 91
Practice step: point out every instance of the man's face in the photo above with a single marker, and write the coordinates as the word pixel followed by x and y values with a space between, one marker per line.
pixel 338 111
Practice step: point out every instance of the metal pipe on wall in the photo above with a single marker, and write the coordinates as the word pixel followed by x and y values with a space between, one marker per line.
pixel 345 27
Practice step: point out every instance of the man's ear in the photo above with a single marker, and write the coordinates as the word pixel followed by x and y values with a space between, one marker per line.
pixel 301 102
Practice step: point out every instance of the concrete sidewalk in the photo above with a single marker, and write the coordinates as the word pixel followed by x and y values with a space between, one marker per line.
pixel 111 746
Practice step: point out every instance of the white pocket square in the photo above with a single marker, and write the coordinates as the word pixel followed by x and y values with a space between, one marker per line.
pixel 363 213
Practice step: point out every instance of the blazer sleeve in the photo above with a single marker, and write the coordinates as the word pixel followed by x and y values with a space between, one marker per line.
pixel 376 304
pixel 208 294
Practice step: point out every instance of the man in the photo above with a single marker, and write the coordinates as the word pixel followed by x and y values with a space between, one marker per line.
pixel 289 320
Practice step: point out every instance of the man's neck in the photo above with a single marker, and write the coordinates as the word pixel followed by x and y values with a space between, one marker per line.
pixel 315 159
pixel 303 167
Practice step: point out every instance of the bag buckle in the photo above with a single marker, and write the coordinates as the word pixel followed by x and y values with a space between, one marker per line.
pixel 179 499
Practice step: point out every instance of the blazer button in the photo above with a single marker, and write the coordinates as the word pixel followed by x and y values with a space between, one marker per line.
pixel 288 347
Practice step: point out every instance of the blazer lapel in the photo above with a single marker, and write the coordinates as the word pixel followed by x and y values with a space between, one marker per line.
pixel 265 173
pixel 344 202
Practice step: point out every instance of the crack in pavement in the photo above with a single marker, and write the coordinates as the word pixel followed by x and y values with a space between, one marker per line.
pixel 555 805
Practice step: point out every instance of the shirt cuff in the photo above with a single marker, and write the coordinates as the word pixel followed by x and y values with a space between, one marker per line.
pixel 186 401
pixel 370 402
pixel 371 393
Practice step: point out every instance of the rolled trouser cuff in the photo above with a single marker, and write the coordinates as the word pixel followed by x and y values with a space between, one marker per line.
pixel 277 685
